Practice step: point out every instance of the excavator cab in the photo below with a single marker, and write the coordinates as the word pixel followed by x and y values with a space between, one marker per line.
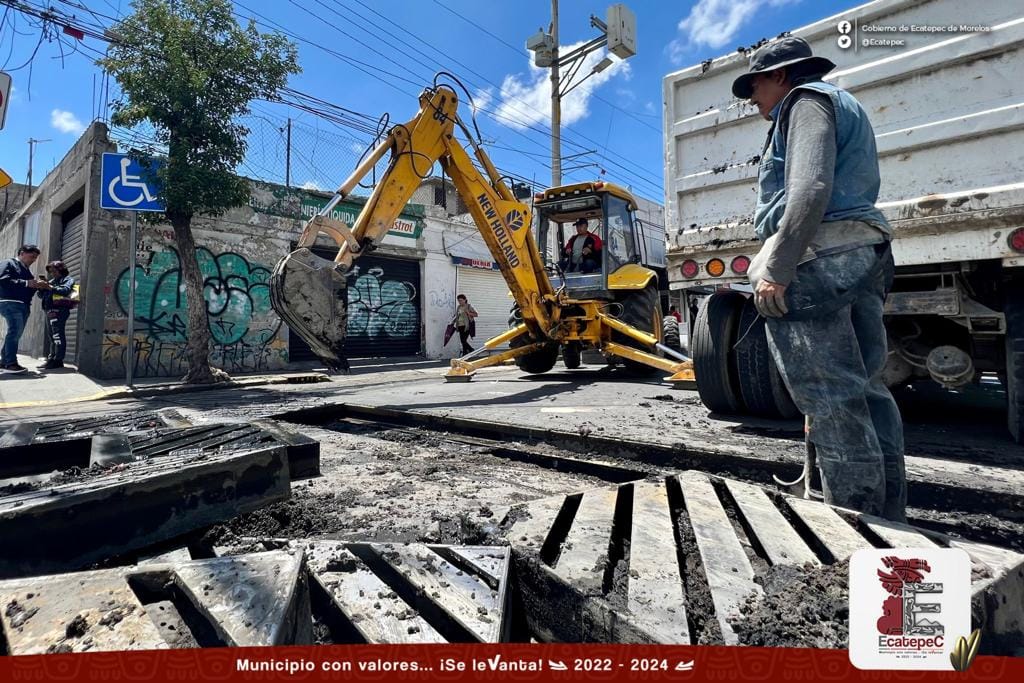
pixel 628 259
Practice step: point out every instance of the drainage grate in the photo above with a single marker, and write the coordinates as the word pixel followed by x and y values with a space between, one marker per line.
pixel 687 552
pixel 304 591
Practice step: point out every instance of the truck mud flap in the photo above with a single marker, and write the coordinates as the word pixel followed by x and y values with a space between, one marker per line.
pixel 310 296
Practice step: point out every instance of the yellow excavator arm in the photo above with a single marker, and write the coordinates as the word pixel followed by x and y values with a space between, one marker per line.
pixel 504 223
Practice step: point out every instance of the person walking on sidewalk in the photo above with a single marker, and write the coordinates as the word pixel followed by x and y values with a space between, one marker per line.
pixel 58 302
pixel 17 285
pixel 823 273
pixel 464 323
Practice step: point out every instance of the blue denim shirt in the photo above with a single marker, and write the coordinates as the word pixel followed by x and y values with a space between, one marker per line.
pixel 856 183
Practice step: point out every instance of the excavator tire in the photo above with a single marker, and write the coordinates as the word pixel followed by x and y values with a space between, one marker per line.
pixel 536 362
pixel 642 310
pixel 572 356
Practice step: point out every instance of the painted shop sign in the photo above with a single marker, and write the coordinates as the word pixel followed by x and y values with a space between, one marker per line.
pixel 277 200
pixel 475 263
pixel 347 213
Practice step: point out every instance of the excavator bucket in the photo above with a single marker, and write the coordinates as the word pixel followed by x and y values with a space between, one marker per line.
pixel 310 295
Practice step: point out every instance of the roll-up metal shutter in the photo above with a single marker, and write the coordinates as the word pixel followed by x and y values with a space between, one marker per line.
pixel 72 243
pixel 487 292
pixel 383 309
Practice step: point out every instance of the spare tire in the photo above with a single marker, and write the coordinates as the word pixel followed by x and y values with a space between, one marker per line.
pixel 761 386
pixel 714 334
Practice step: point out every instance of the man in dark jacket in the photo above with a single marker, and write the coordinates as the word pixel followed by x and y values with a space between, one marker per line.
pixel 822 276
pixel 17 285
pixel 58 302
pixel 582 251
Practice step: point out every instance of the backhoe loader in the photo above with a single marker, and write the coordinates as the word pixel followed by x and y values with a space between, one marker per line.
pixel 616 309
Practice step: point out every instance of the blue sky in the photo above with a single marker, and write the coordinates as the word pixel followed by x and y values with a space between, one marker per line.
pixel 389 51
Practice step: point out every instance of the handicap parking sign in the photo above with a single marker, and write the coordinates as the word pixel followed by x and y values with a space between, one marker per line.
pixel 123 189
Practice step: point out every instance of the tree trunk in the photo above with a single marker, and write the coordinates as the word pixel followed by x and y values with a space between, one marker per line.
pixel 199 369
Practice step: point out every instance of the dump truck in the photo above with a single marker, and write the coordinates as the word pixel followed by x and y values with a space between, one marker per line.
pixel 940 81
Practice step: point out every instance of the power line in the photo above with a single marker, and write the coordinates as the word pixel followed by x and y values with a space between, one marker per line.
pixel 656 184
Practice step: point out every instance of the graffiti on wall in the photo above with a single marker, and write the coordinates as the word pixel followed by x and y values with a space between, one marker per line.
pixel 243 326
pixel 381 307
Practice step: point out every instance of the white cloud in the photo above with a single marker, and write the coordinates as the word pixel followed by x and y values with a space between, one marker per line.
pixel 482 99
pixel 66 122
pixel 525 99
pixel 311 185
pixel 714 23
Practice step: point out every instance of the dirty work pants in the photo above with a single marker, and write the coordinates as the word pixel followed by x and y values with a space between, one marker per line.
pixel 832 364
pixel 57 319
pixel 15 314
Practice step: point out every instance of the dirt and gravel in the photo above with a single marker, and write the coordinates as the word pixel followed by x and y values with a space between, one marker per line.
pixel 801 607
pixel 403 487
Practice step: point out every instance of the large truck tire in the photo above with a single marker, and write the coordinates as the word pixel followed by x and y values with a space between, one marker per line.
pixel 762 388
pixel 1014 312
pixel 641 309
pixel 714 334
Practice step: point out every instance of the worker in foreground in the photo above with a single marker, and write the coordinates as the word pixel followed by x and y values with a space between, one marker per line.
pixel 823 272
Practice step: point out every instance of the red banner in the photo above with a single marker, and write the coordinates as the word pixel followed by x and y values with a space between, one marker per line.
pixel 479 662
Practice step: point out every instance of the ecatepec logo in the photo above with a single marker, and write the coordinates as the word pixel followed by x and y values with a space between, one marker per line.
pixel 908 606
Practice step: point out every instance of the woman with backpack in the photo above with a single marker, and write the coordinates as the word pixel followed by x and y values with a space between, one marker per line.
pixel 58 302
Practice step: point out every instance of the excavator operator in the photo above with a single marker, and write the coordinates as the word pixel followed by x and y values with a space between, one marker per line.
pixel 582 253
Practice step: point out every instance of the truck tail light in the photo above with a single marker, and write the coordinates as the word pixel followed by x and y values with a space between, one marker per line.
pixel 689 269
pixel 739 265
pixel 715 267
pixel 1016 240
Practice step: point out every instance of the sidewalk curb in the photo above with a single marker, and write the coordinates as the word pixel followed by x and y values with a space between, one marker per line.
pixel 178 388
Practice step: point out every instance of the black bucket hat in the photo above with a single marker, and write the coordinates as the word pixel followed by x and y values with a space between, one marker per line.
pixel 581 221
pixel 787 51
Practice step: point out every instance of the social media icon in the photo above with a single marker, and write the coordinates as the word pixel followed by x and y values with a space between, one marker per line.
pixel 844 27
pixel 844 42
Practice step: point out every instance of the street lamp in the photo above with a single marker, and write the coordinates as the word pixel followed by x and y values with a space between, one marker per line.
pixel 618 33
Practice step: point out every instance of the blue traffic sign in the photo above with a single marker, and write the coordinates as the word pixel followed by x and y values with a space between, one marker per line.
pixel 123 189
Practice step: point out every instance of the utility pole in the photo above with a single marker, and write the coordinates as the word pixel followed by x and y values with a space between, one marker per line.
pixel 618 33
pixel 556 104
pixel 288 156
pixel 32 142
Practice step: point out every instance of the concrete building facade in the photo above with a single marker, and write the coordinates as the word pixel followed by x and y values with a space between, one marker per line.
pixel 401 296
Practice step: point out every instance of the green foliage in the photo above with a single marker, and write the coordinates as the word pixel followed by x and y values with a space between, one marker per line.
pixel 190 70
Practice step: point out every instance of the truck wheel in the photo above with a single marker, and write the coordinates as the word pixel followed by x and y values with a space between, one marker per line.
pixel 1014 311
pixel 714 333
pixel 671 333
pixel 572 356
pixel 761 385
pixel 642 310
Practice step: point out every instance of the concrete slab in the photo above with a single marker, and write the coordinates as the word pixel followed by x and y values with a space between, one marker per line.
pixel 728 534
pixel 104 513
pixel 36 449
pixel 248 600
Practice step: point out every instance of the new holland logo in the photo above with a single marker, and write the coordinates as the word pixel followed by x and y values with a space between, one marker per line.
pixel 514 219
